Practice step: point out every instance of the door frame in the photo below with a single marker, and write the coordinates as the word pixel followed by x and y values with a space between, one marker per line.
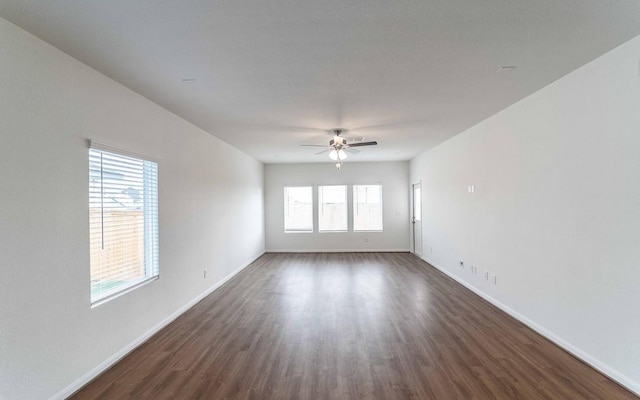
pixel 413 218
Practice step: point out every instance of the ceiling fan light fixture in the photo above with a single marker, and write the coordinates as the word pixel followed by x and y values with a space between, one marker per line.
pixel 337 155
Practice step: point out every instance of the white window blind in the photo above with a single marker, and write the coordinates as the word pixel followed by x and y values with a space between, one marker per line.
pixel 123 222
pixel 298 209
pixel 332 211
pixel 367 207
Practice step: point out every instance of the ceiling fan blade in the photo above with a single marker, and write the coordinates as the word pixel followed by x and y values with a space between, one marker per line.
pixel 358 144
pixel 352 151
pixel 314 145
pixel 323 151
pixel 353 139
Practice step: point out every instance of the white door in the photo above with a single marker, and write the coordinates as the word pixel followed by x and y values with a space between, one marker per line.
pixel 416 220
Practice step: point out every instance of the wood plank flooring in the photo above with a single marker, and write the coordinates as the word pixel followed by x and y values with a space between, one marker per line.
pixel 348 326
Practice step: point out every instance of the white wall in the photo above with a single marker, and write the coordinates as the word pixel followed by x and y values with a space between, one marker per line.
pixel 394 177
pixel 210 195
pixel 556 212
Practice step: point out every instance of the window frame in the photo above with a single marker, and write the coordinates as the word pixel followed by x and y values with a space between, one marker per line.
pixel 284 209
pixel 149 170
pixel 346 209
pixel 354 207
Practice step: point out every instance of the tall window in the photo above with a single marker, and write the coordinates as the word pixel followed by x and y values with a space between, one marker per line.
pixel 298 209
pixel 332 209
pixel 367 207
pixel 123 222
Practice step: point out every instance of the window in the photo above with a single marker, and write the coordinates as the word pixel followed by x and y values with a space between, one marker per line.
pixel 367 207
pixel 123 222
pixel 298 209
pixel 332 211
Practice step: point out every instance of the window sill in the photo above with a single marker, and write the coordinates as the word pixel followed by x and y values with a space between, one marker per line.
pixel 123 291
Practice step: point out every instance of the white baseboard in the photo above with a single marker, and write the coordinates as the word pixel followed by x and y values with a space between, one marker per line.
pixel 337 251
pixel 598 365
pixel 106 364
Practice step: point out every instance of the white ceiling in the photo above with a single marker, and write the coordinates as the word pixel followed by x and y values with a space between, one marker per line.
pixel 271 75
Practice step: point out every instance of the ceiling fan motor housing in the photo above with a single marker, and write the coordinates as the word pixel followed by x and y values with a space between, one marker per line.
pixel 337 141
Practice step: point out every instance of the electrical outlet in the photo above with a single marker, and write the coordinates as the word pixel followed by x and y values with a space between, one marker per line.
pixel 474 269
pixel 486 275
pixel 366 240
pixel 494 279
pixel 204 275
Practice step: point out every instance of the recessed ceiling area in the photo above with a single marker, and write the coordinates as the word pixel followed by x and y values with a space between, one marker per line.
pixel 268 76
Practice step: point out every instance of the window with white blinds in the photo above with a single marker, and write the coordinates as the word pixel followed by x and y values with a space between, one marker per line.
pixel 123 222
pixel 298 209
pixel 367 207
pixel 332 208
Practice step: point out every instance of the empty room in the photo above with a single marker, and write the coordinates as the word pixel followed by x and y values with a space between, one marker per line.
pixel 320 199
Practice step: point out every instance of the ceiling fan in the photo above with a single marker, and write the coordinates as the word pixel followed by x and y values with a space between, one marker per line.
pixel 338 147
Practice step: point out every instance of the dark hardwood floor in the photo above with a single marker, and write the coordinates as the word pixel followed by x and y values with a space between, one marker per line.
pixel 348 326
